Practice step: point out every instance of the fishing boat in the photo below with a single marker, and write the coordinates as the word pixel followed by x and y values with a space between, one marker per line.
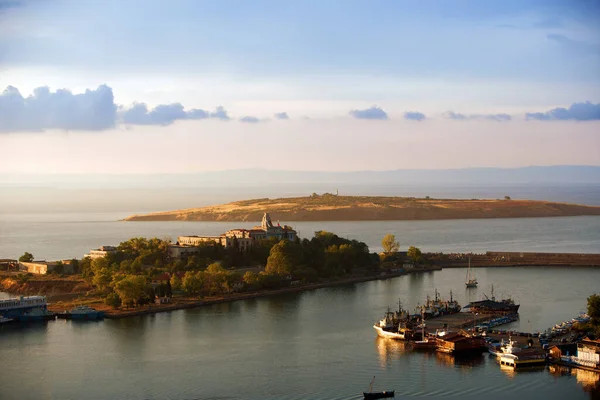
pixel 394 325
pixel 471 282
pixel 377 395
pixel 492 306
pixel 426 342
pixel 4 320
pixel 503 348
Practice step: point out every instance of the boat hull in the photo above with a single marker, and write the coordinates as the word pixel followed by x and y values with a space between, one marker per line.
pixel 379 395
pixel 389 335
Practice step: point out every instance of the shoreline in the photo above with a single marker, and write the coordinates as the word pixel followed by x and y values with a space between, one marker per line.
pixel 186 303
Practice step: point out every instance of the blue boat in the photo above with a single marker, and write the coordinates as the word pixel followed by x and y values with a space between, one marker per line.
pixel 83 313
pixel 37 314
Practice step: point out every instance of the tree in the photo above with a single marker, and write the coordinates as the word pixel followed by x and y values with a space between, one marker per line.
pixel 131 289
pixel 506 197
pixel 414 253
pixel 102 279
pixel 192 283
pixel 215 268
pixel 59 268
pixel 113 300
pixel 593 308
pixel 284 256
pixel 250 278
pixel 26 257
pixel 175 282
pixel 389 244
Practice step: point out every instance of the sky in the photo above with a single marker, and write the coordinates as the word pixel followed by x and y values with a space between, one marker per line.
pixel 127 86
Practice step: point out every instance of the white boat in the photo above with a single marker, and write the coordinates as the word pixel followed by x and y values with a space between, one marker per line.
pixel 4 320
pixel 503 348
pixel 471 282
pixel 14 307
pixel 386 328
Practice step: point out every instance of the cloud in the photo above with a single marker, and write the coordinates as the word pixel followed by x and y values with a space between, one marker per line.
pixel 577 112
pixel 220 113
pixel 414 116
pixel 370 113
pixel 462 117
pixel 249 119
pixel 90 111
pixel 165 114
pixel 282 115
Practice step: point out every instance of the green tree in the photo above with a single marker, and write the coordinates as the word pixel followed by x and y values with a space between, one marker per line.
pixel 250 278
pixel 215 268
pixel 415 254
pixel 389 244
pixel 506 197
pixel 192 283
pixel 283 258
pixel 131 289
pixel 26 257
pixel 102 279
pixel 175 282
pixel 113 300
pixel 59 268
pixel 593 308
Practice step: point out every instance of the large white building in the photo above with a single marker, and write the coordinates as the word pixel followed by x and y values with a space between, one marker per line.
pixel 245 238
pixel 103 251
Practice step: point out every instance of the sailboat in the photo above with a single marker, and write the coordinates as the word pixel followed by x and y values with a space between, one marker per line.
pixel 471 281
pixel 426 343
pixel 377 395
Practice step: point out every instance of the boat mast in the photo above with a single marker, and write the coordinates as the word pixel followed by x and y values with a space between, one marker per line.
pixel 371 385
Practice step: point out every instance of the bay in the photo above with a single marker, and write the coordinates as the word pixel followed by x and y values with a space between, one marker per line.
pixel 318 344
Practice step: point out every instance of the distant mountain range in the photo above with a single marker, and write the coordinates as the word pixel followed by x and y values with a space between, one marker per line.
pixel 558 174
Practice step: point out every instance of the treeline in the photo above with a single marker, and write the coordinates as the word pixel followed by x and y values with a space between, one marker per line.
pixel 124 277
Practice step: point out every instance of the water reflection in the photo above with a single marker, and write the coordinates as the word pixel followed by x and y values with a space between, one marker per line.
pixel 511 372
pixel 589 380
pixel 460 361
pixel 389 350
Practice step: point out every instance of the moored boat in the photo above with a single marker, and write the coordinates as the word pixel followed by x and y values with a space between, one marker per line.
pixel 491 306
pixel 82 313
pixel 37 314
pixel 14 307
pixel 524 358
pixel 4 320
pixel 470 281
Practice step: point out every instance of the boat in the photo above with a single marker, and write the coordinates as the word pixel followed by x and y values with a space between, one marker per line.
pixel 491 306
pixel 37 314
pixel 426 342
pixel 377 395
pixel 471 282
pixel 4 320
pixel 438 307
pixel 394 325
pixel 499 349
pixel 525 358
pixel 82 313
pixel 14 307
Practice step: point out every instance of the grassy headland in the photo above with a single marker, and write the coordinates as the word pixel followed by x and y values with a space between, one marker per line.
pixel 329 207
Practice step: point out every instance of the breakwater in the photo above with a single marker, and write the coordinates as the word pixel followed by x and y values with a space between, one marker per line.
pixel 513 259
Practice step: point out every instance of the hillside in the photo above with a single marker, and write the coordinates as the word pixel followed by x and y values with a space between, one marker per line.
pixel 330 207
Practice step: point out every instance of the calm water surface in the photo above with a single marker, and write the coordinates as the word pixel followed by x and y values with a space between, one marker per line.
pixel 67 235
pixel 313 345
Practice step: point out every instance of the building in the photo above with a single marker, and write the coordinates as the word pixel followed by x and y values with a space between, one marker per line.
pixel 47 267
pixel 588 353
pixel 242 238
pixel 103 251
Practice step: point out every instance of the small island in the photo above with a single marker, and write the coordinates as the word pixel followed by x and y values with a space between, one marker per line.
pixel 332 207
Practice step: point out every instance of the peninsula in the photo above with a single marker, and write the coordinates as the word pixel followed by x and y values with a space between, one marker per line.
pixel 331 207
